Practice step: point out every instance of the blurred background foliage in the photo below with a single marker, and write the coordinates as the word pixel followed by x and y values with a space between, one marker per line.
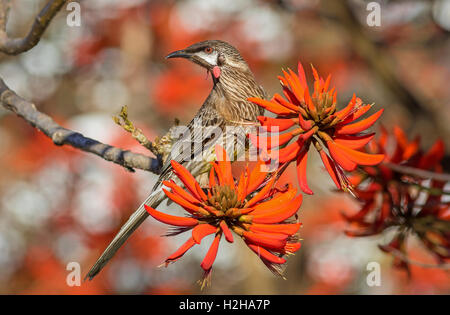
pixel 59 205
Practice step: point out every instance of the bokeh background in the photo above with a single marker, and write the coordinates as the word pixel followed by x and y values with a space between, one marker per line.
pixel 59 205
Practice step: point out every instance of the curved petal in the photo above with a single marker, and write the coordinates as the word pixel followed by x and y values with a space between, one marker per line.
pixel 256 177
pixel 180 251
pixel 225 166
pixel 288 228
pixel 330 167
pixel 188 180
pixel 301 172
pixel 202 230
pixel 281 124
pixel 359 157
pixel 276 203
pixel 341 157
pixel 271 106
pixel 170 219
pixel 226 231
pixel 354 142
pixel 360 125
pixel 188 206
pixel 280 215
pixel 208 261
pixel 262 193
pixel 180 191
pixel 266 255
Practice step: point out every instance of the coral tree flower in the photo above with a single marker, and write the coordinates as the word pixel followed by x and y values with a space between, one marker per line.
pixel 307 119
pixel 251 208
pixel 391 199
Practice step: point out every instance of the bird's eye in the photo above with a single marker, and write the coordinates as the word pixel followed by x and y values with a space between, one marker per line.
pixel 208 50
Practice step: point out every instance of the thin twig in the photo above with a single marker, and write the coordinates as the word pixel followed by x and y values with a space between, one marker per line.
pixel 395 252
pixel 376 58
pixel 15 46
pixel 60 135
pixel 408 170
pixel 123 121
pixel 433 191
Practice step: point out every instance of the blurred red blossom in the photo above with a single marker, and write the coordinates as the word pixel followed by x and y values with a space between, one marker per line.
pixel 315 120
pixel 393 200
pixel 261 218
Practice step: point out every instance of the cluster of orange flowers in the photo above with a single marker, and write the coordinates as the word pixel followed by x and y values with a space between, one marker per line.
pixel 261 219
pixel 264 215
pixel 315 120
pixel 408 204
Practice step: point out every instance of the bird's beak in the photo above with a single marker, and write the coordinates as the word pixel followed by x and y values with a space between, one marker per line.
pixel 179 54
pixel 192 56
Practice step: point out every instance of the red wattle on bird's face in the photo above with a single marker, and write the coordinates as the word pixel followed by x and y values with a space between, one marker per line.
pixel 216 72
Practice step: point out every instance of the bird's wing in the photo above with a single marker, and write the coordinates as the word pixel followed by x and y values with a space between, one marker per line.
pixel 198 137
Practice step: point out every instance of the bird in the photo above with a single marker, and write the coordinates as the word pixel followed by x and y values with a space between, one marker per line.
pixel 225 117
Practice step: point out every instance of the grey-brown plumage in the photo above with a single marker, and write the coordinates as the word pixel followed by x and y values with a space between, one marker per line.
pixel 225 117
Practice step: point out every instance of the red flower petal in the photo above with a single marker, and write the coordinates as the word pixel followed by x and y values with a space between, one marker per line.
pixel 202 230
pixel 170 219
pixel 289 152
pixel 291 248
pixel 276 203
pixel 433 156
pixel 180 251
pixel 411 149
pixel 341 157
pixel 344 112
pixel 265 241
pixel 361 157
pixel 280 100
pixel 294 82
pixel 355 115
pixel 269 123
pixel 360 125
pixel 262 193
pixel 305 124
pixel 271 106
pixel 256 177
pixel 353 142
pixel 361 213
pixel 330 167
pixel 189 207
pixel 242 186
pixel 270 142
pixel 180 191
pixel 301 74
pixel 309 102
pixel 208 261
pixel 288 229
pixel 212 178
pixel 225 166
pixel 226 231
pixel 280 215
pixel 301 172
pixel 188 180
pixel 266 255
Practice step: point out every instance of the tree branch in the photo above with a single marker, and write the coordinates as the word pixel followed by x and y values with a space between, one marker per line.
pixel 397 253
pixel 15 46
pixel 60 136
pixel 376 58
pixel 408 170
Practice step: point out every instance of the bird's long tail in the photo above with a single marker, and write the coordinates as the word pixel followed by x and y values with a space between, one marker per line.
pixel 153 200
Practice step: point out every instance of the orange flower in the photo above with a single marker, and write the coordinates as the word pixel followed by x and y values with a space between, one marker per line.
pixel 380 189
pixel 391 200
pixel 315 119
pixel 252 207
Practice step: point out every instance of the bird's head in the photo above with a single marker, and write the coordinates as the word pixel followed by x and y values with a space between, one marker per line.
pixel 213 55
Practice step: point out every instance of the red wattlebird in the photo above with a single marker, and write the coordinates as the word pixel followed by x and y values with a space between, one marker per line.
pixel 226 106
